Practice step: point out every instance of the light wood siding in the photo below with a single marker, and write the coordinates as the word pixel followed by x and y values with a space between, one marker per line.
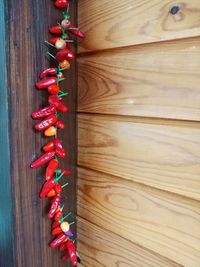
pixel 139 134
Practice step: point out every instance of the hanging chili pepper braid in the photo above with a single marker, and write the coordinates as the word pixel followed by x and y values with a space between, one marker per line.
pixel 49 124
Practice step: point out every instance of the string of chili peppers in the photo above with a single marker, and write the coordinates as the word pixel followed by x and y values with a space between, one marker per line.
pixel 50 123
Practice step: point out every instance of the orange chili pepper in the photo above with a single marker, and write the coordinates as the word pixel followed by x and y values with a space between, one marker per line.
pixel 65 64
pixel 51 193
pixel 50 131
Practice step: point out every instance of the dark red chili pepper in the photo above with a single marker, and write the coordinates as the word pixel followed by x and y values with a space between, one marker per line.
pixel 56 231
pixel 63 246
pixel 48 185
pixel 65 257
pixel 55 224
pixel 49 146
pixel 58 216
pixel 47 82
pixel 59 240
pixel 56 102
pixel 54 205
pixel 46 123
pixel 72 252
pixel 60 124
pixel 46 111
pixel 64 54
pixel 48 72
pixel 56 30
pixel 43 159
pixel 58 189
pixel 61 4
pixel 60 152
pixel 76 32
pixel 51 168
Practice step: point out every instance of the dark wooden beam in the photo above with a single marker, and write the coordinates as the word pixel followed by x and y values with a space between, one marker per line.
pixel 27 26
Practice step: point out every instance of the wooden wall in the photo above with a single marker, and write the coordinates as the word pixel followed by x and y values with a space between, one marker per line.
pixel 139 133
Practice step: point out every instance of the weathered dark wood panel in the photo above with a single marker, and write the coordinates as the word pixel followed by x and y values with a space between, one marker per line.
pixel 28 23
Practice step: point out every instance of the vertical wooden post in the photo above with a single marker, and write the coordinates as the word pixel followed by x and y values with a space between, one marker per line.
pixel 25 229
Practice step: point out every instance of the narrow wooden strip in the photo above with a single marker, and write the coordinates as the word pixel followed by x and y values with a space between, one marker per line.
pixel 162 156
pixel 102 248
pixel 118 23
pixel 156 80
pixel 7 223
pixel 163 222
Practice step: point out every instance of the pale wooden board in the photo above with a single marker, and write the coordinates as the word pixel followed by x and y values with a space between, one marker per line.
pixel 102 248
pixel 116 23
pixel 156 80
pixel 162 156
pixel 162 222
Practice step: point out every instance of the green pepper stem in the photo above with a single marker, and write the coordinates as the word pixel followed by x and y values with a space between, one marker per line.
pixel 65 217
pixel 52 56
pixel 72 223
pixel 49 43
pixel 61 79
pixel 59 177
pixel 63 186
pixel 72 28
pixel 63 94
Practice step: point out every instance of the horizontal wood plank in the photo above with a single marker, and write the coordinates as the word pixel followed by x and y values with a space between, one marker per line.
pixel 162 156
pixel 118 23
pixel 102 248
pixel 157 80
pixel 162 222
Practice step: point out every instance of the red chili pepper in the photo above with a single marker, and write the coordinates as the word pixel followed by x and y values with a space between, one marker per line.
pixel 47 82
pixel 48 185
pixel 53 40
pixel 51 168
pixel 54 89
pixel 43 159
pixel 61 4
pixel 63 246
pixel 56 231
pixel 46 111
pixel 64 54
pixel 55 224
pixel 65 257
pixel 60 152
pixel 72 252
pixel 46 123
pixel 56 30
pixel 58 189
pixel 66 172
pixel 58 216
pixel 56 102
pixel 48 72
pixel 60 125
pixel 54 205
pixel 76 32
pixel 49 146
pixel 59 240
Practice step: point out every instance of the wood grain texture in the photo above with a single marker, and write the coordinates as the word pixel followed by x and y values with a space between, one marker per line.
pixel 102 248
pixel 162 222
pixel 116 23
pixel 28 25
pixel 158 155
pixel 155 80
pixel 7 249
